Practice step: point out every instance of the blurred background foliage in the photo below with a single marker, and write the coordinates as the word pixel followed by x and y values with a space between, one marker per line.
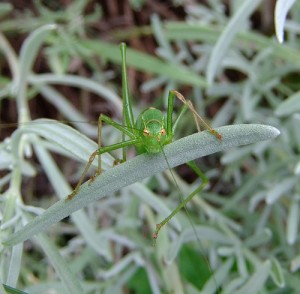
pixel 61 60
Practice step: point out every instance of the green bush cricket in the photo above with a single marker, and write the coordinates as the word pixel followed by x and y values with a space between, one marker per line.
pixel 149 133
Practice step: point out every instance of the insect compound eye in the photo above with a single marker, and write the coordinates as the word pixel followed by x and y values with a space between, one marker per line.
pixel 163 132
pixel 146 132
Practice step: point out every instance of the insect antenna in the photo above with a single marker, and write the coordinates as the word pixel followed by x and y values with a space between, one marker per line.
pixel 52 121
pixel 49 121
pixel 190 219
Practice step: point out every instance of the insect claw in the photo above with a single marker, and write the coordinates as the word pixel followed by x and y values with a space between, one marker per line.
pixel 216 134
pixel 117 162
pixel 92 178
pixel 155 234
pixel 71 196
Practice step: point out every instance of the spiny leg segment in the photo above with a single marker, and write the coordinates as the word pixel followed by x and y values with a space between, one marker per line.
pixel 198 119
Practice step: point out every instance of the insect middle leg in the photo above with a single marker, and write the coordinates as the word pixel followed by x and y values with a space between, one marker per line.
pixel 125 132
pixel 101 150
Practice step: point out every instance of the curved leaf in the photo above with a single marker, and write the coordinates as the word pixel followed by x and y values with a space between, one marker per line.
pixel 257 280
pixel 289 106
pixel 143 166
pixel 29 51
pixel 281 10
pixel 223 43
pixel 146 62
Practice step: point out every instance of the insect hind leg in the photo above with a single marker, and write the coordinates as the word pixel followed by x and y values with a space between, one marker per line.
pixel 198 119
pixel 184 202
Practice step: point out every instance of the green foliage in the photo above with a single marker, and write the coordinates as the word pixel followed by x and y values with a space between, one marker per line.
pixel 139 282
pixel 247 221
pixel 192 266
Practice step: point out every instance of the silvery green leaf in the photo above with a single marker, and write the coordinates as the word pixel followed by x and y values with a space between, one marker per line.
pixel 29 51
pixel 281 10
pixel 143 166
pixel 277 273
pixel 255 283
pixel 279 190
pixel 289 105
pixel 293 222
pixel 234 26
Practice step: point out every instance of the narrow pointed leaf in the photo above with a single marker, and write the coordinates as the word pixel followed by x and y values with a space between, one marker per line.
pixel 143 166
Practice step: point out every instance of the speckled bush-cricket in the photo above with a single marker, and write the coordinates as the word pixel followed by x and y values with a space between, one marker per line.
pixel 149 133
